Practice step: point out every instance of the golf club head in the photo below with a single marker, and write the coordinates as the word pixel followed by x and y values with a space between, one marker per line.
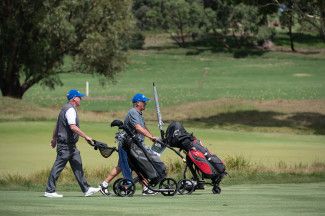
pixel 117 123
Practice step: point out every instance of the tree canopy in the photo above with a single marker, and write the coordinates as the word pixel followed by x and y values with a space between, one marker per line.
pixel 36 36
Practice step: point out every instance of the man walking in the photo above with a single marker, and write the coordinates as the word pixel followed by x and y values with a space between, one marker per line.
pixel 65 136
pixel 136 124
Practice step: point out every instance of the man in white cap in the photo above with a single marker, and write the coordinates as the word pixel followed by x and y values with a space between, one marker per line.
pixel 65 136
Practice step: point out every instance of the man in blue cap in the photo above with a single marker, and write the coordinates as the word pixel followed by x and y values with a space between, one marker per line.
pixel 136 124
pixel 65 136
pixel 135 121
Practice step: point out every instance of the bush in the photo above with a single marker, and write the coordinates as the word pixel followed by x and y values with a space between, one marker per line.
pixel 264 33
pixel 137 41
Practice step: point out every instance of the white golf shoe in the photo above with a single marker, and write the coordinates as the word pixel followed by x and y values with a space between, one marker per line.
pixel 52 195
pixel 91 191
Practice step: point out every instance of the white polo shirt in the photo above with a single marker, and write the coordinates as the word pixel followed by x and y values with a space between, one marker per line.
pixel 71 116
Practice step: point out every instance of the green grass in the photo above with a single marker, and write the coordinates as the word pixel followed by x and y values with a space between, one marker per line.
pixel 25 146
pixel 280 199
pixel 183 78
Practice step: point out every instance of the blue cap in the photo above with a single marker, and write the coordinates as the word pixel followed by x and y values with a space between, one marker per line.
pixel 139 97
pixel 74 93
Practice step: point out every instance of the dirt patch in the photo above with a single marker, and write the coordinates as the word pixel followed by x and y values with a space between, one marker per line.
pixel 287 116
pixel 214 107
pixel 301 75
pixel 109 98
pixel 292 106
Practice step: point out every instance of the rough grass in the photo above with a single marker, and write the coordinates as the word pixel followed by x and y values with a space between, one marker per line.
pixel 240 169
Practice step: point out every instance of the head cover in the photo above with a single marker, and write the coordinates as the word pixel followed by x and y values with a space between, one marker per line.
pixel 74 93
pixel 139 97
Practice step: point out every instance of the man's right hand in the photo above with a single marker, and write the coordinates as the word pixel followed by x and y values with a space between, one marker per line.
pixel 88 139
pixel 154 139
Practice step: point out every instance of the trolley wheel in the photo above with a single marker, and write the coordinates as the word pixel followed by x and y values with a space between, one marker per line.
pixel 115 185
pixel 185 186
pixel 216 189
pixel 123 187
pixel 168 183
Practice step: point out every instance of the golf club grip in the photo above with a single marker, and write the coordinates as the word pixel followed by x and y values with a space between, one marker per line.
pixel 91 142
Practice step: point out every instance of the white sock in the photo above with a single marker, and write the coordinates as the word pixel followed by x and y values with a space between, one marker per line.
pixel 105 184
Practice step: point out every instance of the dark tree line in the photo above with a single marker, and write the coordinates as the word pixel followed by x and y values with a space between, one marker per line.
pixel 243 19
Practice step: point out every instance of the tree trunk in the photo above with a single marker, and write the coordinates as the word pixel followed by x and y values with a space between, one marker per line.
pixel 11 88
pixel 290 32
pixel 10 85
pixel 321 4
pixel 9 78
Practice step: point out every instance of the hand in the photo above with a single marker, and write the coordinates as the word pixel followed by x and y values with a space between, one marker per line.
pixel 88 139
pixel 154 139
pixel 53 143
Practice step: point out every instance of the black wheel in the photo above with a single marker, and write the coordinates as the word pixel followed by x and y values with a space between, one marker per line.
pixel 216 189
pixel 185 186
pixel 115 184
pixel 124 187
pixel 168 183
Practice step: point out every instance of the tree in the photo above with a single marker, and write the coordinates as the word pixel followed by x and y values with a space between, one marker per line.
pixel 183 19
pixel 149 14
pixel 230 17
pixel 244 23
pixel 36 36
pixel 312 12
pixel 286 20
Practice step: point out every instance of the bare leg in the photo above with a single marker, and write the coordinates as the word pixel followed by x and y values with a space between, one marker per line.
pixel 104 185
pixel 114 172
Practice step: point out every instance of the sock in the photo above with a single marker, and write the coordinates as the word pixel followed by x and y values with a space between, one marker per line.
pixel 105 184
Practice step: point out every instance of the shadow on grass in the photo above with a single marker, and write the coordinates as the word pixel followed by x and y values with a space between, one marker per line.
pixel 282 39
pixel 243 49
pixel 254 118
pixel 213 45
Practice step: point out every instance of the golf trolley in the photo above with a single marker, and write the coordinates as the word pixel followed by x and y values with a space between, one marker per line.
pixel 202 164
pixel 150 170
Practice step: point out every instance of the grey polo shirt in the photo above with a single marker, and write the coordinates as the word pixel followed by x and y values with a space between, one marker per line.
pixel 132 118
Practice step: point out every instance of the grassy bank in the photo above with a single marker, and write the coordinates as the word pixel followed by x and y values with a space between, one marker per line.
pixel 183 78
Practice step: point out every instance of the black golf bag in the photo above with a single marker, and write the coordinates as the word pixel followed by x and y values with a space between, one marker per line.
pixel 198 158
pixel 144 161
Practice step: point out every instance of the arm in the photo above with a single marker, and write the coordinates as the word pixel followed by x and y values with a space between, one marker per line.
pixel 53 141
pixel 71 118
pixel 77 130
pixel 145 132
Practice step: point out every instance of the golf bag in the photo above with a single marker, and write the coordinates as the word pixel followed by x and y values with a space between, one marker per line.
pixel 150 170
pixel 144 161
pixel 196 154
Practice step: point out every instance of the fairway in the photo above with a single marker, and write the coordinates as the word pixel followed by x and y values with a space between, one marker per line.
pixel 25 146
pixel 273 199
